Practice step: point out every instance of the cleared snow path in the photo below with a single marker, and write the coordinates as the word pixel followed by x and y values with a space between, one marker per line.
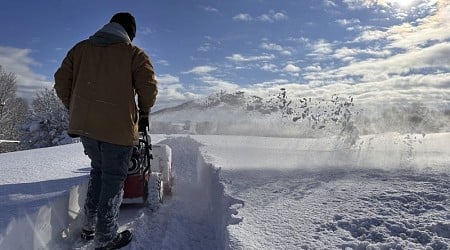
pixel 188 220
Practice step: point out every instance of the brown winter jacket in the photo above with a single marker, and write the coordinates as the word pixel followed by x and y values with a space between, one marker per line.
pixel 98 83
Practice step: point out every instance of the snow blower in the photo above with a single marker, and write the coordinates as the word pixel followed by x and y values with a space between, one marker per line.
pixel 149 179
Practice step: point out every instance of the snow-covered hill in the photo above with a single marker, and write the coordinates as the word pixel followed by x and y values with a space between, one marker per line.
pixel 389 191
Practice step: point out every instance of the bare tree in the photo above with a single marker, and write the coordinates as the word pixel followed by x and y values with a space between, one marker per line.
pixel 13 111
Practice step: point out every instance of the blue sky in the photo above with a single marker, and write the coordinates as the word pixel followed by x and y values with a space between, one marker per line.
pixel 396 50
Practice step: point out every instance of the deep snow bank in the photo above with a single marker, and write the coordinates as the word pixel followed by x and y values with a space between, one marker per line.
pixel 33 194
pixel 195 217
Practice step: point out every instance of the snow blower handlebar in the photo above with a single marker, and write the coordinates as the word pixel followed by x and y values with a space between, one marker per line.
pixel 144 139
pixel 143 124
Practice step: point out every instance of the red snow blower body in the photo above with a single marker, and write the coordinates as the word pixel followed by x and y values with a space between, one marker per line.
pixel 149 177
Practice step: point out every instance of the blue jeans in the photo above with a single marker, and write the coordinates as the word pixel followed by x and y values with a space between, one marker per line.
pixel 109 164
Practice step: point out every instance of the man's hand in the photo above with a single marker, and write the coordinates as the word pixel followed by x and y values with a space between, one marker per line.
pixel 143 121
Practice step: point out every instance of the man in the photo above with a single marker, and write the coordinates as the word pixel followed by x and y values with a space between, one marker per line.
pixel 97 82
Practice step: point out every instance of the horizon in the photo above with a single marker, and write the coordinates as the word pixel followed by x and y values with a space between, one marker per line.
pixel 383 50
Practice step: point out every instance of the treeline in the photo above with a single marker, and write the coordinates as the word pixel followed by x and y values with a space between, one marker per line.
pixel 43 124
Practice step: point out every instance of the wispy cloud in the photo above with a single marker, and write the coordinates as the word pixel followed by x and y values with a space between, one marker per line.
pixel 241 58
pixel 269 67
pixel 276 47
pixel 404 62
pixel 145 31
pixel 301 39
pixel 271 17
pixel 407 35
pixel 348 22
pixel 216 84
pixel 315 67
pixel 201 70
pixel 371 34
pixel 243 17
pixel 329 3
pixel 163 62
pixel 425 59
pixel 172 92
pixel 20 62
pixel 204 47
pixel 320 49
pixel 350 54
pixel 397 8
pixel 167 79
pixel 432 60
pixel 210 9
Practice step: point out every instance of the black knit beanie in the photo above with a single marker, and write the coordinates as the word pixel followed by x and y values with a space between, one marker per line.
pixel 127 21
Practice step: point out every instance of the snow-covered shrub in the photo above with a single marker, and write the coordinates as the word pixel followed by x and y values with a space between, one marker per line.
pixel 48 122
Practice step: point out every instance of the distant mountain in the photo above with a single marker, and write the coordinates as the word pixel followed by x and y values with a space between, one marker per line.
pixel 225 101
pixel 186 105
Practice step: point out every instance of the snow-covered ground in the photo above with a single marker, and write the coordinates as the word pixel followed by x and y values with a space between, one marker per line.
pixel 390 191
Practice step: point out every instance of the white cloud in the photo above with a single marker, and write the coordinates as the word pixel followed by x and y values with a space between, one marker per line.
pixel 433 28
pixel 276 47
pixel 145 31
pixel 349 54
pixel 167 79
pixel 172 92
pixel 241 58
pixel 303 40
pixel 271 46
pixel 292 69
pixel 347 22
pixel 432 57
pixel 313 68
pixel 321 47
pixel 243 17
pixel 433 60
pixel 19 62
pixel 205 47
pixel 371 35
pixel 407 36
pixel 269 67
pixel 215 84
pixel 201 70
pixel 278 16
pixel 209 9
pixel 270 17
pixel 358 4
pixel 163 62
pixel 405 62
pixel 329 3
pixel 268 84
